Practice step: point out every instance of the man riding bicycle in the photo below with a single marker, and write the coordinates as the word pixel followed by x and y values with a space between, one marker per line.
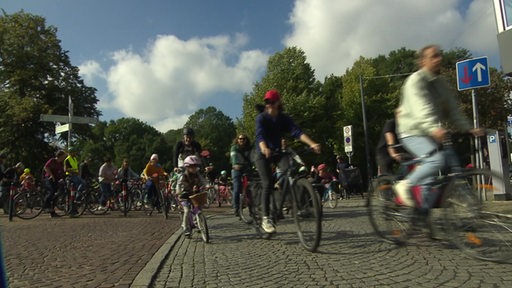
pixel 426 102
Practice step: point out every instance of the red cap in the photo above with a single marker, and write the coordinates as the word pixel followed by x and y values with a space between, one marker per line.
pixel 272 96
pixel 321 166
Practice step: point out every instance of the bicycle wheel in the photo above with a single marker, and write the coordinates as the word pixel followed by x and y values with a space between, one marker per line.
pixel 246 206
pixel 212 197
pixel 389 221
pixel 478 228
pixel 61 203
pixel 93 203
pixel 28 205
pixel 164 203
pixel 203 227
pixel 307 213
pixel 332 199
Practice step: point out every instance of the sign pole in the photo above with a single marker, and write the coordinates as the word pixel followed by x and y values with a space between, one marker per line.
pixel 70 113
pixel 476 124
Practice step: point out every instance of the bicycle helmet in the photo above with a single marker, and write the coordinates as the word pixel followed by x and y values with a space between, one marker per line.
pixel 154 157
pixel 20 166
pixel 27 170
pixel 272 96
pixel 192 160
pixel 223 172
pixel 188 132
pixel 321 166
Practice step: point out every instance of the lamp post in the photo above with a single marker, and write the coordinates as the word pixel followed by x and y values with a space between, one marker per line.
pixel 365 124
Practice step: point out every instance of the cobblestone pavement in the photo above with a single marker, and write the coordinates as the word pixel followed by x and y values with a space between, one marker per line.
pixel 350 255
pixel 90 251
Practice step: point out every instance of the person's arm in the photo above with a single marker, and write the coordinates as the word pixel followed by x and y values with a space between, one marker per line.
pixel 177 151
pixel 391 141
pixel 312 144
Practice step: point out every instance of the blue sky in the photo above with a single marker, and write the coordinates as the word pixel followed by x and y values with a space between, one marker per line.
pixel 161 60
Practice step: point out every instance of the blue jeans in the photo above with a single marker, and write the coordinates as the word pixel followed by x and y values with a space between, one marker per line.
pixel 79 183
pixel 236 177
pixel 106 192
pixel 424 174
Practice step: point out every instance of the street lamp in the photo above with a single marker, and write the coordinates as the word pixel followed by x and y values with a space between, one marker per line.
pixel 365 125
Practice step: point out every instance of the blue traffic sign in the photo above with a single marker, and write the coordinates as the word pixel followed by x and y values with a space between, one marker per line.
pixel 472 73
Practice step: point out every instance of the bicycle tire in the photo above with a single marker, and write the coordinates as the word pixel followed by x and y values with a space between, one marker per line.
pixel 477 227
pixel 202 225
pixel 245 207
pixel 164 203
pixel 61 204
pixel 307 213
pixel 212 197
pixel 93 203
pixel 28 205
pixel 389 221
pixel 332 199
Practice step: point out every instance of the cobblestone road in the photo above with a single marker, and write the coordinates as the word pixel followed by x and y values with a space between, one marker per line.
pixel 90 251
pixel 350 255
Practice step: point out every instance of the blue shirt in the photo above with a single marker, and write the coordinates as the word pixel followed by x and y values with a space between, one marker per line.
pixel 271 130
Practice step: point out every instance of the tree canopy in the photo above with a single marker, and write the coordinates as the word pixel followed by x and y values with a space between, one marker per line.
pixel 36 77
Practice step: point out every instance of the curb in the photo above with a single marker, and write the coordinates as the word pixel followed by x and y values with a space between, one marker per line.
pixel 147 275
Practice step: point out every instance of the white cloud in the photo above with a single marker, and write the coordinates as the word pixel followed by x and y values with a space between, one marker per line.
pixel 170 80
pixel 334 34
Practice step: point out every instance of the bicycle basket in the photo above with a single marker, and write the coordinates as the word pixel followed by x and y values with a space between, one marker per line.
pixel 198 199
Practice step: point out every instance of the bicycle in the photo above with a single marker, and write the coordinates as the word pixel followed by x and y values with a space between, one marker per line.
pixel 29 203
pixel 197 219
pixel 329 196
pixel 471 224
pixel 306 208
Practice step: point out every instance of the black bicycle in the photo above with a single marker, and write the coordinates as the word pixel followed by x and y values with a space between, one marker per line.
pixel 475 226
pixel 305 206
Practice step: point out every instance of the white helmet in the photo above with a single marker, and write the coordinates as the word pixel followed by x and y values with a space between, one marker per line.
pixel 192 160
pixel 154 157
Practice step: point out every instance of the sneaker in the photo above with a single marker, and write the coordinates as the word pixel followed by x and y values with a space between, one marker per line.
pixel 267 225
pixel 100 208
pixel 403 193
pixel 186 231
pixel 236 212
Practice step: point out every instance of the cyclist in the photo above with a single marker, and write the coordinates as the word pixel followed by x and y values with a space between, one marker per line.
pixel 427 101
pixel 106 176
pixel 151 173
pixel 84 170
pixel 239 155
pixel 271 125
pixel 189 183
pixel 323 180
pixel 10 175
pixel 53 175
pixel 71 168
pixel 27 179
pixel 186 147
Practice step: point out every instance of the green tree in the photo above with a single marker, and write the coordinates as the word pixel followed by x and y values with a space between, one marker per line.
pixel 36 77
pixel 215 131
pixel 128 138
pixel 293 77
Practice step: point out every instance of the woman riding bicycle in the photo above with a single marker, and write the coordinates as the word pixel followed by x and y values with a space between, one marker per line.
pixel 271 125
pixel 151 173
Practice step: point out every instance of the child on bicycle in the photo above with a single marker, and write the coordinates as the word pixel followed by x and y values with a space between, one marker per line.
pixel 189 184
pixel 323 180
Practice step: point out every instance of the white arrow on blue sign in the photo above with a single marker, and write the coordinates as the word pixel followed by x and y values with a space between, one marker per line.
pixel 472 73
